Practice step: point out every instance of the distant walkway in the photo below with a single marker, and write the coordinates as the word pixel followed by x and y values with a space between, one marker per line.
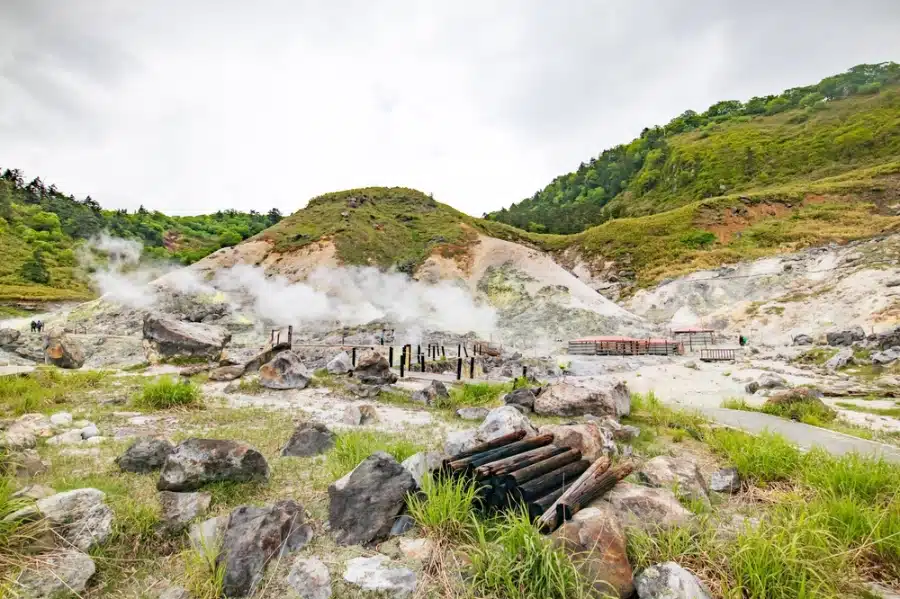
pixel 804 435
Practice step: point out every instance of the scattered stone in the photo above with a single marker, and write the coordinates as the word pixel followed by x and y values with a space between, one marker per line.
pixel 503 421
pixel 24 431
pixel 460 441
pixel 669 581
pixel 340 364
pixel 27 463
pixel 81 517
pixel 9 337
pixel 309 578
pixel 523 397
pixel 226 373
pixel 375 574
pixel 309 439
pixel 567 398
pixel 64 352
pixel 417 549
pixel 255 535
pixel 196 462
pixel 166 337
pixel 360 415
pixel 34 492
pixel 422 463
pixel 646 507
pixel 430 394
pixel 372 368
pixel 595 540
pixel 364 504
pixel 840 360
pixel 61 574
pixel 725 480
pixel 845 337
pixel 95 440
pixel 887 356
pixel 174 592
pixel 61 419
pixel 145 455
pixel 589 438
pixel 675 473
pixel 767 380
pixel 66 438
pixel 180 509
pixel 89 431
pixel 207 535
pixel 472 413
pixel 803 339
pixel 402 525
pixel 285 371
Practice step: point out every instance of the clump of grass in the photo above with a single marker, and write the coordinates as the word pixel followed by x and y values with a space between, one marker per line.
pixel 737 403
pixel 799 405
pixel 510 558
pixel 816 356
pixel 444 508
pixel 892 412
pixel 203 576
pixel 649 409
pixel 765 458
pixel 139 367
pixel 250 386
pixel 473 394
pixel 353 447
pixel 168 393
pixel 44 387
pixel 15 535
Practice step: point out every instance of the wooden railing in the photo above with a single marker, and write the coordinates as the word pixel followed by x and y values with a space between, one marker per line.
pixel 717 355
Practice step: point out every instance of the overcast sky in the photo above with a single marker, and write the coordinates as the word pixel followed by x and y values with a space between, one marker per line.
pixel 194 106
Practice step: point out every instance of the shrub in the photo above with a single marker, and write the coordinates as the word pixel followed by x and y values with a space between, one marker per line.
pixel 168 393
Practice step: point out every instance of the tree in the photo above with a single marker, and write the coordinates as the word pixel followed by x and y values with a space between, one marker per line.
pixel 274 216
pixel 35 270
pixel 229 238
pixel 92 204
pixel 777 105
pixel 5 202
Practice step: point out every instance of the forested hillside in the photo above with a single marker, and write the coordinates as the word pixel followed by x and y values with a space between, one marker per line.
pixel 844 122
pixel 41 227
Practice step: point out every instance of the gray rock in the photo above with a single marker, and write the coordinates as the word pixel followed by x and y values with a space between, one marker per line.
pixel 887 356
pixel 845 337
pixel 8 337
pixel 588 438
pixel 81 517
pixel 402 525
pixel 34 492
pixel 679 474
pixel 803 339
pixel 284 371
pixel 460 441
pixel 66 438
pixel 840 360
pixel 431 393
pixel 61 574
pixel 24 431
pixel 767 380
pixel 309 578
pixel 26 463
pixel 309 439
pixel 523 397
pixel 64 352
pixel 669 581
pixel 472 413
pixel 226 373
pixel 360 415
pixel 503 421
pixel 726 480
pixel 364 504
pixel 376 574
pixel 61 419
pixel 174 592
pixel 179 509
pixel 254 536
pixel 166 337
pixel 646 507
pixel 89 431
pixel 196 462
pixel 145 455
pixel 892 283
pixel 372 368
pixel 567 398
pixel 340 364
pixel 421 464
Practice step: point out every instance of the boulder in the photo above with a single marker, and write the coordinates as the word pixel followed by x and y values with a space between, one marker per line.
pixel 421 464
pixel 8 337
pixel 566 398
pixel 375 574
pixel 63 351
pixel 503 421
pixel 340 364
pixel 178 510
pixel 26 463
pixel 845 337
pixel 431 393
pixel 284 371
pixel 64 573
pixel 309 578
pixel 887 356
pixel 591 440
pixel 66 438
pixel 360 415
pixel 725 480
pixel 887 339
pixel 309 439
pixel 523 397
pixel 372 368
pixel 61 419
pixel 255 535
pixel 80 517
pixel 767 380
pixel 472 413
pixel 166 337
pixel 196 462
pixel 595 541
pixel 460 441
pixel 24 431
pixel 669 581
pixel 646 507
pixel 34 492
pixel 364 504
pixel 226 373
pixel 90 431
pixel 145 455
pixel 679 474
pixel 840 360
pixel 803 339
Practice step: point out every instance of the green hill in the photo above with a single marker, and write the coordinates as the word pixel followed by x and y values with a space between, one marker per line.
pixel 843 123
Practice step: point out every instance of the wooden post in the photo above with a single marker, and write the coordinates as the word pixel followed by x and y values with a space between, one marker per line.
pixel 524 372
pixel 458 368
pixel 459 350
pixel 391 356
pixel 402 362
pixel 418 351
pixel 290 334
pixel 354 357
pixel 443 352
pixel 472 367
pixel 422 362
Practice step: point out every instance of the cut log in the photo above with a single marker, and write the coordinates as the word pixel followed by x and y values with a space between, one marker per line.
pixel 516 462
pixel 537 507
pixel 548 522
pixel 544 484
pixel 575 499
pixel 487 445
pixel 522 476
pixel 470 463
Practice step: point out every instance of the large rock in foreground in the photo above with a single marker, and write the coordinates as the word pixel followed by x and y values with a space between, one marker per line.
pixel 61 574
pixel 372 368
pixel 256 535
pixel 340 364
pixel 364 504
pixel 168 338
pixel 676 473
pixel 79 517
pixel 669 581
pixel 646 507
pixel 285 371
pixel 145 455
pixel 567 398
pixel 588 438
pixel 64 352
pixel 196 462
pixel 9 337
pixel 376 575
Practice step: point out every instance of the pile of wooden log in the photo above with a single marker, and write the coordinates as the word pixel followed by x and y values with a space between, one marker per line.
pixel 551 482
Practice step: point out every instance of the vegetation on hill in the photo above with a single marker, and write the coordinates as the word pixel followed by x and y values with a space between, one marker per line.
pixel 40 229
pixel 844 122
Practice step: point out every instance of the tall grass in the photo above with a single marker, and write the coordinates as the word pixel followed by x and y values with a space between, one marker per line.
pixel 41 389
pixel 649 409
pixel 444 508
pixel 765 458
pixel 168 393
pixel 473 394
pixel 353 447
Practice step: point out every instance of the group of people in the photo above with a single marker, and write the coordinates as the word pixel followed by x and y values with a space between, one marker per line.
pixel 37 326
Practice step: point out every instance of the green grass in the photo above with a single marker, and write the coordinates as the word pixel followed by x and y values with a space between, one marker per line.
pixel 444 508
pixel 203 577
pixel 892 412
pixel 816 356
pixel 353 447
pixel 44 388
pixel 474 395
pixel 166 393
pixel 647 408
